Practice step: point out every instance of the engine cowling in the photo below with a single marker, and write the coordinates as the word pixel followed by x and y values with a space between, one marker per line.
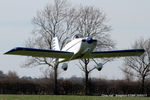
pixel 64 66
pixel 99 66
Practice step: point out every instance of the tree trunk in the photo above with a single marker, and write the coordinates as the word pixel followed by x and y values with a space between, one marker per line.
pixel 143 85
pixel 86 83
pixel 86 79
pixel 55 80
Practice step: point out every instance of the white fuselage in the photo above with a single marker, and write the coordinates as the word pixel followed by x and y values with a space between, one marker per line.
pixel 80 47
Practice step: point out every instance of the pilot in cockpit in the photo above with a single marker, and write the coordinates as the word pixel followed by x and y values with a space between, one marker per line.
pixel 75 36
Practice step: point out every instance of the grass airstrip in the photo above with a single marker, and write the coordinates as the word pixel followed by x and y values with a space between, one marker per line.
pixel 66 97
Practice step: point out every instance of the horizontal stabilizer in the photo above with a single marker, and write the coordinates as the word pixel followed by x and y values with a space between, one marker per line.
pixel 117 53
pixel 40 53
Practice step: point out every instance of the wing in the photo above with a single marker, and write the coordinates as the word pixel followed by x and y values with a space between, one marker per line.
pixel 40 53
pixel 117 53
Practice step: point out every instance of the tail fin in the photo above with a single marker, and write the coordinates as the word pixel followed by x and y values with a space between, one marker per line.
pixel 55 46
pixel 55 43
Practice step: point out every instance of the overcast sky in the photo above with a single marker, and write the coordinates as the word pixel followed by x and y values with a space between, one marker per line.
pixel 129 19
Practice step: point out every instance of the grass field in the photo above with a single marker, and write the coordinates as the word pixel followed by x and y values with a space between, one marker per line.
pixel 54 97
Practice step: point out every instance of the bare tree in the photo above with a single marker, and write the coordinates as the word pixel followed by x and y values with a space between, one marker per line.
pixel 63 20
pixel 12 76
pixel 57 19
pixel 139 66
pixel 2 75
pixel 91 23
pixel 127 74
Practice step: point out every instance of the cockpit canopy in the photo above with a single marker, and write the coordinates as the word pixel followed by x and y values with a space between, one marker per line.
pixel 75 36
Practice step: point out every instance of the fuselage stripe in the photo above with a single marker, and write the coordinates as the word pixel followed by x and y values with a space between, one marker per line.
pixel 72 46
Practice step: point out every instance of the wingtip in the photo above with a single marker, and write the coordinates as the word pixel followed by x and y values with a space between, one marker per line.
pixel 5 53
pixel 142 50
pixel 8 52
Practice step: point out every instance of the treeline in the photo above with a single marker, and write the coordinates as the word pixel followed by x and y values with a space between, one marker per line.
pixel 12 84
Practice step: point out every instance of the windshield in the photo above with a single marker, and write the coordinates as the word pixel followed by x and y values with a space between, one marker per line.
pixel 75 36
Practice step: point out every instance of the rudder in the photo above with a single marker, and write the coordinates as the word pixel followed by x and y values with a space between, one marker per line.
pixel 55 43
pixel 55 46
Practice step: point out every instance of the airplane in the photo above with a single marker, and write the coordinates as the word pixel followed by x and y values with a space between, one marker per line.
pixel 78 47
